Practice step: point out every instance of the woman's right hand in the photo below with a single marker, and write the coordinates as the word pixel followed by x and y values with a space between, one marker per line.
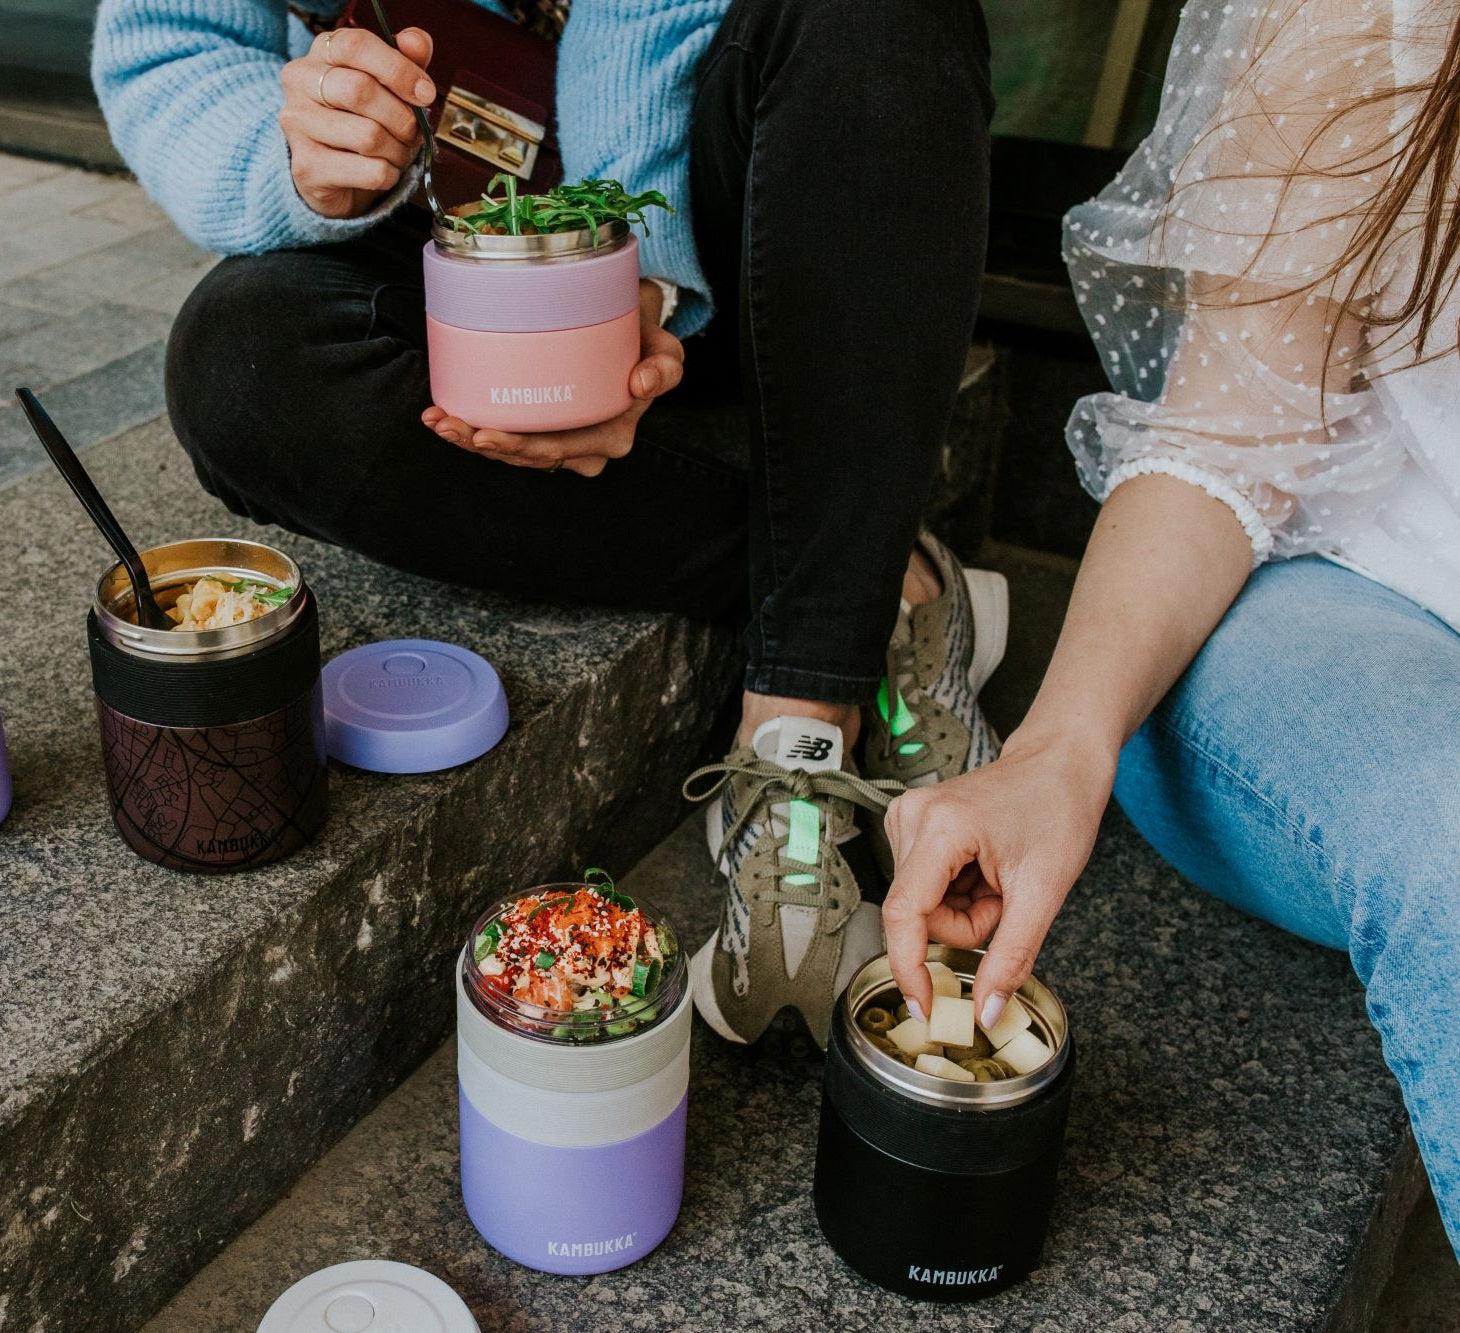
pixel 992 851
pixel 347 116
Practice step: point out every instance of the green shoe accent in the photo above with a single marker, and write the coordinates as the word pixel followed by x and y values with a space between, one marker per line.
pixel 901 721
pixel 926 725
pixel 805 835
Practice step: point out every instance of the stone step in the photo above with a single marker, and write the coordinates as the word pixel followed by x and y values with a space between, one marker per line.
pixel 175 1050
pixel 1237 1155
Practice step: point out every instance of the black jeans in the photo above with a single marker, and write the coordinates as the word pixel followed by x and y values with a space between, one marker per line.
pixel 839 162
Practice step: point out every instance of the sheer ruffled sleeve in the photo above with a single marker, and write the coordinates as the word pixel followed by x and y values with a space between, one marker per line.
pixel 1207 273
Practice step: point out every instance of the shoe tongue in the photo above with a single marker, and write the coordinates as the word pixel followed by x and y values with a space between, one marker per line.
pixel 799 742
pixel 902 627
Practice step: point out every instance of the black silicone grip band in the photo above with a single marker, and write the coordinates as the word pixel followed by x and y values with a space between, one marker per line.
pixel 212 692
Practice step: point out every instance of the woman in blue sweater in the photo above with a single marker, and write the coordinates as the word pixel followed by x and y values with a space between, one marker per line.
pixel 297 377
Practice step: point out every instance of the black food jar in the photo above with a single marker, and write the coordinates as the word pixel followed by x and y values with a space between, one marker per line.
pixel 933 1188
pixel 213 740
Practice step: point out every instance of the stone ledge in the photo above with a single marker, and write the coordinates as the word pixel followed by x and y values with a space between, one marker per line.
pixel 177 1049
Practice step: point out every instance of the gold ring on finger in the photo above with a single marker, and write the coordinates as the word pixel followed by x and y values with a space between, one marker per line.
pixel 319 91
pixel 556 466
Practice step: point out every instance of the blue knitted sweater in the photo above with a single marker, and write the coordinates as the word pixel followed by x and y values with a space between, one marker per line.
pixel 191 93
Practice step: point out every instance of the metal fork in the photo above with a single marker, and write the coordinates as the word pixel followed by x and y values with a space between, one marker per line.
pixel 429 151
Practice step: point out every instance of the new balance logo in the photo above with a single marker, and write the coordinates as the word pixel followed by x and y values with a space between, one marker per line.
pixel 815 748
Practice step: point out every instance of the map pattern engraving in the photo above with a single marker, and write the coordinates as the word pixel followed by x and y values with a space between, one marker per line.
pixel 218 798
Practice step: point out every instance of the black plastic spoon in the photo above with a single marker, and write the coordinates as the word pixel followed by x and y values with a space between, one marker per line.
pixel 428 152
pixel 149 614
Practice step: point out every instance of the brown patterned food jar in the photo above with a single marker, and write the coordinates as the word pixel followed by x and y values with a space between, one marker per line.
pixel 213 740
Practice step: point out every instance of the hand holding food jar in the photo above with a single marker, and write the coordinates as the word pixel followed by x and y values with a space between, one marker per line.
pixel 546 348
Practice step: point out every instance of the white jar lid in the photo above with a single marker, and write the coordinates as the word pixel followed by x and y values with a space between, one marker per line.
pixel 369 1296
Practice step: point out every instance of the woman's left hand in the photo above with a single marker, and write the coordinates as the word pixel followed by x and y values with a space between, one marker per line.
pixel 587 450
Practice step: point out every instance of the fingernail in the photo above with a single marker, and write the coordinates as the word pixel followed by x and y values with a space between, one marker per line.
pixel 425 92
pixel 648 381
pixel 993 1009
pixel 916 1010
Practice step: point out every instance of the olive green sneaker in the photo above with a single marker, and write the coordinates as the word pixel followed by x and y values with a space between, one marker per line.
pixel 793 925
pixel 926 725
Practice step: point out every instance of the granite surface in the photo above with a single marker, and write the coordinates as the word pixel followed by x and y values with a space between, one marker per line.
pixel 1231 1131
pixel 174 1050
pixel 84 310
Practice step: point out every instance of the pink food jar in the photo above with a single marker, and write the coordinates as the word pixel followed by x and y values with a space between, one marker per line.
pixel 533 333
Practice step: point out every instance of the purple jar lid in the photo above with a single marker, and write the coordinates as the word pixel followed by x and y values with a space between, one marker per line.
pixel 411 706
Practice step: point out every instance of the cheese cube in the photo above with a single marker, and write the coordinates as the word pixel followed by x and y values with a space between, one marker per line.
pixel 941 1068
pixel 952 1022
pixel 911 1037
pixel 1025 1052
pixel 1012 1021
pixel 945 980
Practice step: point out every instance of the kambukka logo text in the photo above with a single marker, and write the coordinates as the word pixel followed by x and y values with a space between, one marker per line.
pixel 954 1277
pixel 815 748
pixel 590 1249
pixel 530 395
pixel 248 842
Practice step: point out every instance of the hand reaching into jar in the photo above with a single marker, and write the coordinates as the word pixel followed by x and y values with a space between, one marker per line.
pixel 347 117
pixel 589 449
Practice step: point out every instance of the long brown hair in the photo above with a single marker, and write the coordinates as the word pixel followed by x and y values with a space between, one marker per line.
pixel 1418 167
pixel 1425 171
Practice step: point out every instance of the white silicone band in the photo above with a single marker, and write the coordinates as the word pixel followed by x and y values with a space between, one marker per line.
pixel 1213 483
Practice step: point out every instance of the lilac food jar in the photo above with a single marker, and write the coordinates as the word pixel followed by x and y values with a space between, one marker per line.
pixel 572 1151
pixel 533 333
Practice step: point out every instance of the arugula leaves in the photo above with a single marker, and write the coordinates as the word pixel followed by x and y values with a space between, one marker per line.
pixel 585 206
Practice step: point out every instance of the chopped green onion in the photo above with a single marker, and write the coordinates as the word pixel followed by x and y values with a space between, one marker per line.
pixel 544 960
pixel 601 882
pixel 640 984
pixel 552 902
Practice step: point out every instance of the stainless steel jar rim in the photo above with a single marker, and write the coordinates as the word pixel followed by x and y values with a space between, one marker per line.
pixel 1045 1008
pixel 543 247
pixel 182 562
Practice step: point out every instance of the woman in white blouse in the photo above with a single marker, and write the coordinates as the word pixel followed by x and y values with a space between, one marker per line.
pixel 1272 284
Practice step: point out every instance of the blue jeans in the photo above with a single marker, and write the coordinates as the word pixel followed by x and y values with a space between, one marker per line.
pixel 1306 769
